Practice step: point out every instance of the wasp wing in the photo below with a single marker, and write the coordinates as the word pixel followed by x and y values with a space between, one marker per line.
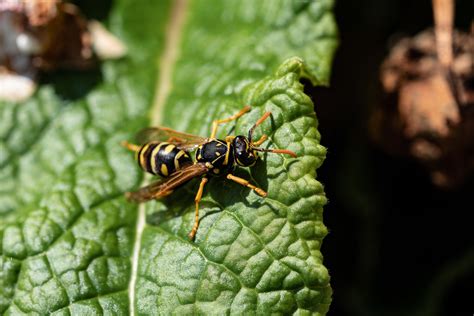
pixel 162 188
pixel 183 141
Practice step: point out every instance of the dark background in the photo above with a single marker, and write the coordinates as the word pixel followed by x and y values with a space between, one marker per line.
pixel 397 244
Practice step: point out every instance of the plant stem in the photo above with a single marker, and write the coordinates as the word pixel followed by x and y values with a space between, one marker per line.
pixel 443 11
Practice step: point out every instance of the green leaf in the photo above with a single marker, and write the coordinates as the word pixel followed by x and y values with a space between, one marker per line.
pixel 71 243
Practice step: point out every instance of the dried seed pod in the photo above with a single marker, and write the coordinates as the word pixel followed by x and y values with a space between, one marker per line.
pixel 44 35
pixel 427 110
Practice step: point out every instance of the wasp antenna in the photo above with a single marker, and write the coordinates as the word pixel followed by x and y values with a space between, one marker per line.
pixel 278 151
pixel 130 146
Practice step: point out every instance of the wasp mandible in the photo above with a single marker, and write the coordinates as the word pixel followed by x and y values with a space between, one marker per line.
pixel 166 152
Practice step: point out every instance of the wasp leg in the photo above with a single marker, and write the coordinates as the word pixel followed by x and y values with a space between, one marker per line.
pixel 216 123
pixel 130 146
pixel 263 118
pixel 197 199
pixel 229 139
pixel 247 184
pixel 260 121
pixel 260 141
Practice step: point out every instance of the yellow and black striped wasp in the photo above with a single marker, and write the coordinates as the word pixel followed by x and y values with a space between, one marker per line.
pixel 166 152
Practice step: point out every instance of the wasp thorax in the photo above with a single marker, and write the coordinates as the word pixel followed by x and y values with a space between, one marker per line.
pixel 243 153
pixel 217 156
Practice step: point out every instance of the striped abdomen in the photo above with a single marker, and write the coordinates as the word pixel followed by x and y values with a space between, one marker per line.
pixel 162 158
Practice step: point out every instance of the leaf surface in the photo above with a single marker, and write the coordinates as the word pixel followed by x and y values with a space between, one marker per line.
pixel 67 233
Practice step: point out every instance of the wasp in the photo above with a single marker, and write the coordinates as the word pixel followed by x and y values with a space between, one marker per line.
pixel 166 152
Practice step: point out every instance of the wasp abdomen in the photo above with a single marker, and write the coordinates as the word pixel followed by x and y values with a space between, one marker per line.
pixel 162 158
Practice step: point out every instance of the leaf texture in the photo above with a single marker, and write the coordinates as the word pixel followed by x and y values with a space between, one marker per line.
pixel 251 255
pixel 67 234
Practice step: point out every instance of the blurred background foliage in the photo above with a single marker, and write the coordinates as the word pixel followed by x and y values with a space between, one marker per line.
pixel 397 244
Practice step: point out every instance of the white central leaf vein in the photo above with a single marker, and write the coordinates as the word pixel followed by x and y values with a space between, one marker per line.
pixel 163 87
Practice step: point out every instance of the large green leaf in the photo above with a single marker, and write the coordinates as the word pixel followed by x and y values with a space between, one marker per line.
pixel 70 242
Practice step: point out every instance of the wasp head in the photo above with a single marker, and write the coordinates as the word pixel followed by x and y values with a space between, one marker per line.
pixel 244 154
